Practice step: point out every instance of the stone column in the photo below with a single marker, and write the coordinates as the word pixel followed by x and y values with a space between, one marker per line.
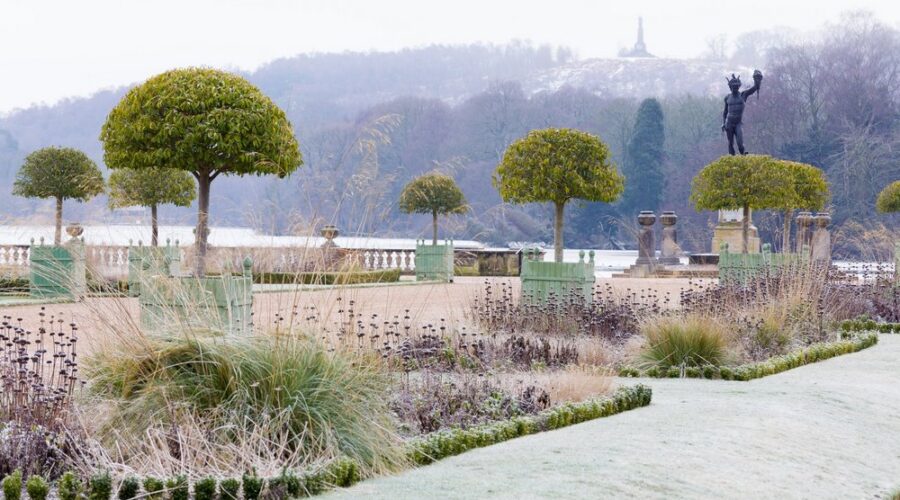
pixel 669 251
pixel 646 241
pixel 804 231
pixel 821 239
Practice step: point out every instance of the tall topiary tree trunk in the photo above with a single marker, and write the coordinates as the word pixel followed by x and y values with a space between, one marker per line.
pixel 745 230
pixel 57 236
pixel 786 236
pixel 434 227
pixel 203 183
pixel 154 226
pixel 558 233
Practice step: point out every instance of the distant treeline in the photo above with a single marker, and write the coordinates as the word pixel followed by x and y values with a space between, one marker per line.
pixel 367 123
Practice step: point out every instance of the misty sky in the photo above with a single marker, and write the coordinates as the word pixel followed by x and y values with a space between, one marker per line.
pixel 55 49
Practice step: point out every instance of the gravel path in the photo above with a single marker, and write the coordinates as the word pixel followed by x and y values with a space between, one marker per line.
pixel 826 430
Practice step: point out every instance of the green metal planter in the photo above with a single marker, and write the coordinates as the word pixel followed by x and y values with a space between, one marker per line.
pixel 58 271
pixel 144 262
pixel 543 281
pixel 434 262
pixel 741 267
pixel 223 303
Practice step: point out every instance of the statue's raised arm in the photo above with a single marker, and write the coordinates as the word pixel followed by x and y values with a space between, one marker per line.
pixel 757 83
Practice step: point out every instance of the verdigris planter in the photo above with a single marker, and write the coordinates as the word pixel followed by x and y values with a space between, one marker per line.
pixel 742 267
pixel 223 303
pixel 58 271
pixel 144 262
pixel 543 281
pixel 434 262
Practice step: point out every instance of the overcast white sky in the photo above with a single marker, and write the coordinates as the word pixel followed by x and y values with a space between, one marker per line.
pixel 54 49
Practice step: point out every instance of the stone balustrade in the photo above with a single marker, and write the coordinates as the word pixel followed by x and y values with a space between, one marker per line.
pixel 112 261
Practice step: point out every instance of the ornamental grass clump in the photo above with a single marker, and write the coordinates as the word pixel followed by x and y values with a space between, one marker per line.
pixel 229 404
pixel 673 342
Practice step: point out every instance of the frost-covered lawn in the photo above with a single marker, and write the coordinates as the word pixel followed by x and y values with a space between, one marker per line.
pixel 826 430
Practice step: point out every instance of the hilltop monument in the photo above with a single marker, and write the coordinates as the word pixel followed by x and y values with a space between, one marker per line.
pixel 640 48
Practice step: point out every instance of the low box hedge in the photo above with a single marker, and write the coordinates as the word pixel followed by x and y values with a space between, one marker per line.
pixel 858 325
pixel 445 443
pixel 344 472
pixel 328 278
pixel 771 366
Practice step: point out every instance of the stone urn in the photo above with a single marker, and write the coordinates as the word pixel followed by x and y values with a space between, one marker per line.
pixel 74 230
pixel 646 218
pixel 329 232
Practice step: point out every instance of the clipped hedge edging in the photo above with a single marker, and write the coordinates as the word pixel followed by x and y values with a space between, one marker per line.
pixel 856 325
pixel 446 443
pixel 773 365
pixel 328 278
pixel 344 472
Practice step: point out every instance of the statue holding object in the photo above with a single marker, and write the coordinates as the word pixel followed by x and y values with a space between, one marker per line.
pixel 734 109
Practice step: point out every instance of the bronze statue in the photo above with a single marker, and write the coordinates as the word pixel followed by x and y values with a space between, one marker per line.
pixel 734 109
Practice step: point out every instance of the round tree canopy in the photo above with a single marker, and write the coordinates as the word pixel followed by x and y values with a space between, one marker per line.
pixel 558 165
pixel 150 186
pixel 754 181
pixel 809 184
pixel 889 199
pixel 203 121
pixel 433 193
pixel 63 173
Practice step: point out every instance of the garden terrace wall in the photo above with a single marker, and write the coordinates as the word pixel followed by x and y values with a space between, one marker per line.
pixel 773 365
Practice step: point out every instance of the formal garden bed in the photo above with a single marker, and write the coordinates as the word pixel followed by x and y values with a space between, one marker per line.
pixel 287 411
pixel 779 320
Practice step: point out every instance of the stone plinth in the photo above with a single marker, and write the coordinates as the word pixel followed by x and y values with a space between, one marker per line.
pixel 821 239
pixel 646 241
pixel 729 231
pixel 804 232
pixel 669 251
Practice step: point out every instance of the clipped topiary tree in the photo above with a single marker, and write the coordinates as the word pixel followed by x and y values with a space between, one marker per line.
pixel 888 200
pixel 557 166
pixel 60 173
pixel 203 121
pixel 151 187
pixel 435 194
pixel 810 192
pixel 747 182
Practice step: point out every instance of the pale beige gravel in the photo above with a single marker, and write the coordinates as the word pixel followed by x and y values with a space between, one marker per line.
pixel 427 303
pixel 826 430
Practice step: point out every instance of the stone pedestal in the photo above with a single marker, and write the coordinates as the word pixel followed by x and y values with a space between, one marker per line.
pixel 821 239
pixel 729 231
pixel 646 240
pixel 804 232
pixel 669 251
